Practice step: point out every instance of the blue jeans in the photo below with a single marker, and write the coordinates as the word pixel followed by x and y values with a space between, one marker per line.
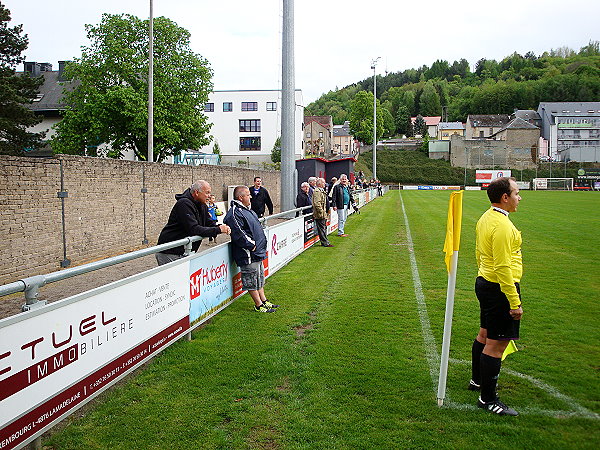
pixel 342 216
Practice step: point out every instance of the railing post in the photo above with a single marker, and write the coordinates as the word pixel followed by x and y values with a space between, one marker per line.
pixel 32 289
pixel 188 248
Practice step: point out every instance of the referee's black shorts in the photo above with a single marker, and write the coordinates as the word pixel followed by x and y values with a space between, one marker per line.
pixel 494 311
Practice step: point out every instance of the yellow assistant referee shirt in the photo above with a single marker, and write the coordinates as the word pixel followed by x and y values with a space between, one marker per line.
pixel 498 253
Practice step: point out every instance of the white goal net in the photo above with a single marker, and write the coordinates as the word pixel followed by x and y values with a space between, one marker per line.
pixel 553 184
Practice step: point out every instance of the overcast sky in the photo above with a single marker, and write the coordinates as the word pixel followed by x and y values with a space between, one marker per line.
pixel 335 41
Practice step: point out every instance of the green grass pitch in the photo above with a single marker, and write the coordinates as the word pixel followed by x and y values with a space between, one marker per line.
pixel 344 362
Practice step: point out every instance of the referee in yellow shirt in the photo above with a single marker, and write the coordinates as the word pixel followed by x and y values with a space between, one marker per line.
pixel 500 266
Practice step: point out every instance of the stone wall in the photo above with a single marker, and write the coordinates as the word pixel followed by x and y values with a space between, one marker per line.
pixel 106 212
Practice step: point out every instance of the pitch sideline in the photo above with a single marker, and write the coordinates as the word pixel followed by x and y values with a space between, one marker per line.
pixel 433 357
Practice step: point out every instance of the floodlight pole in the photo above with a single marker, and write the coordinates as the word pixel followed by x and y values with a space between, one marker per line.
pixel 288 108
pixel 151 85
pixel 373 65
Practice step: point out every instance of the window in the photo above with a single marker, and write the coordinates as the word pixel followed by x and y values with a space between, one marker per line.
pixel 250 144
pixel 308 135
pixel 250 125
pixel 249 106
pixel 209 107
pixel 481 134
pixel 320 134
pixel 271 106
pixel 227 106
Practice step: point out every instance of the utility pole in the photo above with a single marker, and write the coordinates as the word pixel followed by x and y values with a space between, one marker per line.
pixel 288 108
pixel 151 86
pixel 373 65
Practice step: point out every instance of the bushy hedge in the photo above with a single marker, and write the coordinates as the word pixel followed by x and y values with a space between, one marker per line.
pixel 413 167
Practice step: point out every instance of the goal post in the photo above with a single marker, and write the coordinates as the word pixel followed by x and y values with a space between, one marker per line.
pixel 553 184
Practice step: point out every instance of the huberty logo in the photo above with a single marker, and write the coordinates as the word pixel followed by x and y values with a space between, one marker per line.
pixel 205 276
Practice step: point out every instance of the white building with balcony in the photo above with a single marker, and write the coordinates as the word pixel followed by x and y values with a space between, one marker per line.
pixel 246 124
pixel 572 130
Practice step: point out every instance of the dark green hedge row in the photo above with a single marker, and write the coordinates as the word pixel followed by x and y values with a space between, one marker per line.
pixel 414 167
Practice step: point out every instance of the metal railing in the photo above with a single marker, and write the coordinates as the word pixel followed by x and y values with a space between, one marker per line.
pixel 31 285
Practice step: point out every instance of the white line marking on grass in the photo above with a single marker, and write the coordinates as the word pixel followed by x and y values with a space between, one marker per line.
pixel 433 357
pixel 579 410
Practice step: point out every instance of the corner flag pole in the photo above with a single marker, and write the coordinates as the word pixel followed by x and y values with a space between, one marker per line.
pixel 451 247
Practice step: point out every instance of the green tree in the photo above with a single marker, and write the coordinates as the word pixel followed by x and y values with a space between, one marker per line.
pixel 439 69
pixel 424 147
pixel 592 49
pixel 216 148
pixel 389 125
pixel 361 118
pixel 460 68
pixel 276 152
pixel 109 104
pixel 403 124
pixel 15 91
pixel 420 127
pixel 429 102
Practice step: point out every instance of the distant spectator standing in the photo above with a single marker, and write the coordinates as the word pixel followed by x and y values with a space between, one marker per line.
pixel 260 198
pixel 312 182
pixel 341 203
pixel 213 212
pixel 330 186
pixel 321 211
pixel 304 199
pixel 249 247
pixel 212 207
pixel 189 217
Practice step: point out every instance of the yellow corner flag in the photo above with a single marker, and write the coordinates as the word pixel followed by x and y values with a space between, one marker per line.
pixel 452 242
pixel 511 348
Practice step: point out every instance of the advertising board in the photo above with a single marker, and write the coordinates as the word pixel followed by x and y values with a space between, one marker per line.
pixel 310 231
pixel 211 281
pixel 487 176
pixel 284 241
pixel 52 360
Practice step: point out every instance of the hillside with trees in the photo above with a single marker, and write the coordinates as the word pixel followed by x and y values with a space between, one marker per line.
pixel 494 87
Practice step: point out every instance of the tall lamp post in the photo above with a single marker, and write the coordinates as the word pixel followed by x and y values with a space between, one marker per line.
pixel 150 157
pixel 373 65
pixel 288 108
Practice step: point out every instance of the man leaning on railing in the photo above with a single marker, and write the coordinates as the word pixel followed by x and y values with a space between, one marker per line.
pixel 189 217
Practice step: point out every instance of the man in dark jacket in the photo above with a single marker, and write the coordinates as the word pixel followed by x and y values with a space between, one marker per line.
pixel 189 217
pixel 304 199
pixel 249 247
pixel 260 198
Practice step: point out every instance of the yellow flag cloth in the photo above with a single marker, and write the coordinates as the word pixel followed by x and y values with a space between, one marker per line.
pixel 452 242
pixel 511 348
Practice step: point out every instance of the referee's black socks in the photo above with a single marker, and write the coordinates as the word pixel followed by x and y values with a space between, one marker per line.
pixel 490 369
pixel 476 361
